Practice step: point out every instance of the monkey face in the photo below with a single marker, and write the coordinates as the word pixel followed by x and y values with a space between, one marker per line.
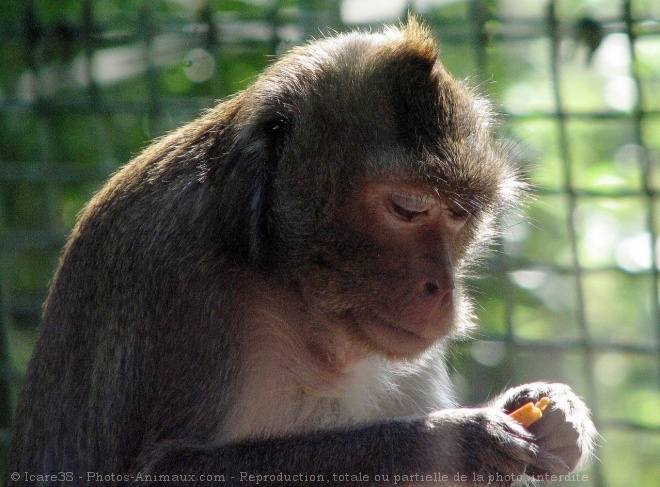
pixel 414 233
pixel 390 277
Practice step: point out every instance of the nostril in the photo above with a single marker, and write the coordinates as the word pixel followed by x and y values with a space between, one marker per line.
pixel 437 290
pixel 431 288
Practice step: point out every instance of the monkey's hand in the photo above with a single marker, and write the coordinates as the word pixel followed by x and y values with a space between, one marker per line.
pixel 565 431
pixel 488 446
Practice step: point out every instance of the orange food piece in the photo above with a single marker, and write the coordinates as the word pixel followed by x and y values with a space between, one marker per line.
pixel 530 412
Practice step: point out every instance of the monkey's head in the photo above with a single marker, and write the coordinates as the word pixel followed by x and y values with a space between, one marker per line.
pixel 372 182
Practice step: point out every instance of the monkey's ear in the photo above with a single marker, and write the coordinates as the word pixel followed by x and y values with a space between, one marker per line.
pixel 245 182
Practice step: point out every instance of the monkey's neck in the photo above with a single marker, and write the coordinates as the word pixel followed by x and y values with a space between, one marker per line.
pixel 319 356
pixel 299 372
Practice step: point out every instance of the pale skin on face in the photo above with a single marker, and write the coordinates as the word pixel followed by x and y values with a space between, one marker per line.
pixel 415 226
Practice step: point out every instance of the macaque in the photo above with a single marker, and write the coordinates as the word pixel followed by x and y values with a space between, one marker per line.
pixel 265 295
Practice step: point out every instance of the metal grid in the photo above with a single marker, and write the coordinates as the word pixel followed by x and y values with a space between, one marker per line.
pixel 116 118
pixel 585 347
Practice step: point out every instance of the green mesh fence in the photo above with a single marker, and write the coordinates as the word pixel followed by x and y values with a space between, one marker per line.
pixel 570 295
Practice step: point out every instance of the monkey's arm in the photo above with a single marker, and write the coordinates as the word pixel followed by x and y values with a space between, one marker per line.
pixel 459 441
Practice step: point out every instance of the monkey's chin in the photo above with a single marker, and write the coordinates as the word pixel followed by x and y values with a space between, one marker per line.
pixel 396 340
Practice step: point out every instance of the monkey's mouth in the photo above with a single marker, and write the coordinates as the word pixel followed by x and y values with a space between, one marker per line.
pixel 391 337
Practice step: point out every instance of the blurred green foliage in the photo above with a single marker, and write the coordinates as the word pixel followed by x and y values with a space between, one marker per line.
pixel 571 294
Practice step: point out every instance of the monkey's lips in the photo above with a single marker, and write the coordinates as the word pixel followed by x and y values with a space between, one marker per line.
pixel 403 339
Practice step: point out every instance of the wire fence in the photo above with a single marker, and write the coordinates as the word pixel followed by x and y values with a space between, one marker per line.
pixel 573 292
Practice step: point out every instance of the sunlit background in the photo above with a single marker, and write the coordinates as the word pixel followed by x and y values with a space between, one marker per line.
pixel 572 292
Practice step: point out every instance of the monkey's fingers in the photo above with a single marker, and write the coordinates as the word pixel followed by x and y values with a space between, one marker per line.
pixel 530 412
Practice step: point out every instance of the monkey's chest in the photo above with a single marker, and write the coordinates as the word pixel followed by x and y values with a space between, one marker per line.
pixel 274 401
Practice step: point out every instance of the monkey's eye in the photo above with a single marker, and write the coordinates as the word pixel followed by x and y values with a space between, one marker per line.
pixel 409 206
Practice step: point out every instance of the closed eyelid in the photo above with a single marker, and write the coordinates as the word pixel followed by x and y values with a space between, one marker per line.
pixel 413 201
